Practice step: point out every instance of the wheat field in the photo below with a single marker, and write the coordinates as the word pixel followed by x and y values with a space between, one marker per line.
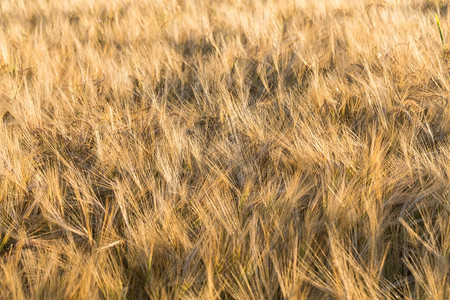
pixel 224 149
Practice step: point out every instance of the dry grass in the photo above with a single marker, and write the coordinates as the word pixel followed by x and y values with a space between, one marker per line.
pixel 224 149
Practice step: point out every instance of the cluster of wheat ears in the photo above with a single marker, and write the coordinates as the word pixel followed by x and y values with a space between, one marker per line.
pixel 224 149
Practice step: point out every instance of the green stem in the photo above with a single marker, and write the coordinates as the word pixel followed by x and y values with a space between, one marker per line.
pixel 440 30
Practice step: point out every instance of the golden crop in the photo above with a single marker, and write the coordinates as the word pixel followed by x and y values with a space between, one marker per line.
pixel 224 149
